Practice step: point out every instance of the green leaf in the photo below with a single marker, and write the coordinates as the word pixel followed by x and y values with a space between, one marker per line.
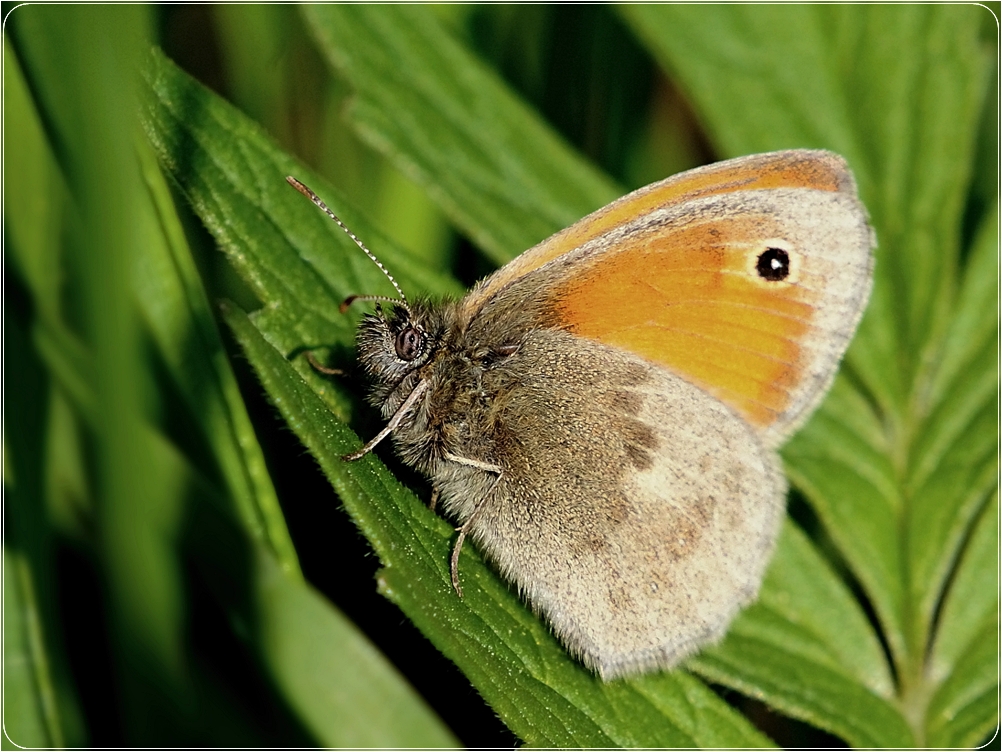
pixel 340 687
pixel 450 124
pixel 40 701
pixel 272 75
pixel 964 712
pixel 88 102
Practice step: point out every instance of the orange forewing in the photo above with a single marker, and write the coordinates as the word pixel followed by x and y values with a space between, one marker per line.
pixel 761 171
pixel 687 300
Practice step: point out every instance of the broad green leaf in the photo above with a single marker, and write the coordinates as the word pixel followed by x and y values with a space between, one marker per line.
pixel 546 697
pixel 964 710
pixel 842 462
pixel 497 170
pixel 801 588
pixel 971 600
pixel 973 325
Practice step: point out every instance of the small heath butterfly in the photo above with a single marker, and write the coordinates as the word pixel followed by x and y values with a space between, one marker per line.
pixel 601 415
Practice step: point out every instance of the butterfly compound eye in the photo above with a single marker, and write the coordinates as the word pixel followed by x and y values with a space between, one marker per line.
pixel 409 343
pixel 773 264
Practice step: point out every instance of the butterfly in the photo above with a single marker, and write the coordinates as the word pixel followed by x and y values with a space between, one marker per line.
pixel 601 415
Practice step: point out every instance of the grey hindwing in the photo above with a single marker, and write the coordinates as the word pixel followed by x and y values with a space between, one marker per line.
pixel 635 511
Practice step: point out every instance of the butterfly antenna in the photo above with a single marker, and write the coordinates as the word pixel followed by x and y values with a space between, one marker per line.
pixel 316 200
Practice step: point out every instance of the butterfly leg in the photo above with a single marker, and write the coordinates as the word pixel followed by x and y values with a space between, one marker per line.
pixel 464 529
pixel 321 368
pixel 390 427
pixel 434 499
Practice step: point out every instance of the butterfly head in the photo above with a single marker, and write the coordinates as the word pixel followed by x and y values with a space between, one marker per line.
pixel 395 343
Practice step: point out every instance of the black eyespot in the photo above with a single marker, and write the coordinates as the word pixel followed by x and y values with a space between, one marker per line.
pixel 409 344
pixel 773 265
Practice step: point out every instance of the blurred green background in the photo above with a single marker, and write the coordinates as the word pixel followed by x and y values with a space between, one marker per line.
pixel 177 568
